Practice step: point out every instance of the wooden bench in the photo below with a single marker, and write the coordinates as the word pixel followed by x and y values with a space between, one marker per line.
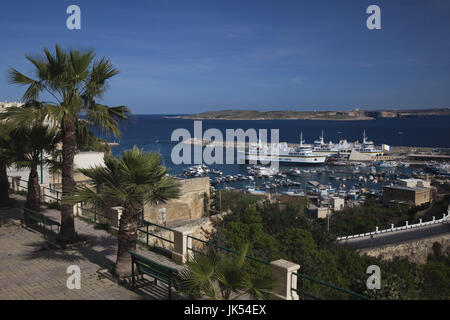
pixel 38 217
pixel 153 269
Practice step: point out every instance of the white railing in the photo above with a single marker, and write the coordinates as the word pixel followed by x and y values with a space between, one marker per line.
pixel 445 218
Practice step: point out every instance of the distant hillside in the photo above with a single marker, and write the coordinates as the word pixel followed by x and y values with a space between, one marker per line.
pixel 314 115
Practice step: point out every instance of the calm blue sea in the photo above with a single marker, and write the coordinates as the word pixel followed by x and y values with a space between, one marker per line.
pixel 153 132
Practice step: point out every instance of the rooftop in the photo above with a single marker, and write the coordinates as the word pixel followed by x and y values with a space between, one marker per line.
pixel 407 188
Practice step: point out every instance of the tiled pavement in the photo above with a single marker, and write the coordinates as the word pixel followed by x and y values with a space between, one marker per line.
pixel 32 268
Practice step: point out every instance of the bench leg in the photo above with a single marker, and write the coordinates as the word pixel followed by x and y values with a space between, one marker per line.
pixel 133 281
pixel 170 288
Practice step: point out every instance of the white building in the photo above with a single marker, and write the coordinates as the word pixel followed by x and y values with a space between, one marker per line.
pixel 5 104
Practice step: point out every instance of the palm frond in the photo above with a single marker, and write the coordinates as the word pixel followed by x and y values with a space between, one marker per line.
pixel 84 193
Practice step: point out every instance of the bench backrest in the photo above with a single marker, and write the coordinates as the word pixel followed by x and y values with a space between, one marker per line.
pixel 151 266
pixel 40 216
pixel 33 213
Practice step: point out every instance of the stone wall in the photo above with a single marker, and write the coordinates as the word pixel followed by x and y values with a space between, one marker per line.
pixel 416 251
pixel 190 206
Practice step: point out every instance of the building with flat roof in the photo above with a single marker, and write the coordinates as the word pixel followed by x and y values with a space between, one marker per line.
pixel 415 195
pixel 414 183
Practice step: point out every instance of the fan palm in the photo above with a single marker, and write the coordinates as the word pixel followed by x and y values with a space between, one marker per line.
pixel 34 141
pixel 131 181
pixel 221 277
pixel 73 80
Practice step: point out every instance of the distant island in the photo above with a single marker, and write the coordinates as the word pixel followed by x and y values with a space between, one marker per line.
pixel 313 115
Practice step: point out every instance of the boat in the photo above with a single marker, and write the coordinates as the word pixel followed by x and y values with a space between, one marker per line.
pixel 367 147
pixel 330 149
pixel 294 192
pixel 281 153
pixel 255 191
pixel 326 149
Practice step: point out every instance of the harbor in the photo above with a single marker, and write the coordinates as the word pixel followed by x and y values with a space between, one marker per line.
pixel 322 171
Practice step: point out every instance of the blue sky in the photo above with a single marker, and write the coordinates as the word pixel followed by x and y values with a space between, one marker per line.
pixel 191 56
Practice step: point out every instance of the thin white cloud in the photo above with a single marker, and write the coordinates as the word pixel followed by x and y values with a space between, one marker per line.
pixel 298 80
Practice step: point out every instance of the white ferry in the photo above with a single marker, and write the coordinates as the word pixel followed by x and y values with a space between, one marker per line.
pixel 331 149
pixel 282 153
pixel 344 148
pixel 367 147
pixel 326 149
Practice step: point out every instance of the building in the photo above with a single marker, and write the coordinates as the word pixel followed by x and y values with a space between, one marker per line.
pixel 408 191
pixel 81 160
pixel 5 104
pixel 192 204
pixel 337 203
pixel 414 183
pixel 317 212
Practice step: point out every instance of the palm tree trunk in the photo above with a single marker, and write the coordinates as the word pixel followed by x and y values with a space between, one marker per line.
pixel 67 232
pixel 33 194
pixel 4 185
pixel 126 240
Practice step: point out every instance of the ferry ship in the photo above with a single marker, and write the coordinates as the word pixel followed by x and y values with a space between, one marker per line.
pixel 344 148
pixel 281 153
pixel 367 147
pixel 331 149
pixel 307 153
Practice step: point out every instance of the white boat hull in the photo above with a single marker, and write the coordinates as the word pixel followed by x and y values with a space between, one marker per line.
pixel 312 159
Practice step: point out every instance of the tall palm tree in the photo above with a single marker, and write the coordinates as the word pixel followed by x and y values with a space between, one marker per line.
pixel 221 277
pixel 73 80
pixel 133 180
pixel 34 142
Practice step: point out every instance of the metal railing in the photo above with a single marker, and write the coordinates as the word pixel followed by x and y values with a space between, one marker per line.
pixel 304 294
pixel 93 214
pixel 25 186
pixel 53 192
pixel 210 244
pixel 150 229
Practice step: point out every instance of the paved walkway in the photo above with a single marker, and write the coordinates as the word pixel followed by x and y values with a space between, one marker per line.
pixel 32 268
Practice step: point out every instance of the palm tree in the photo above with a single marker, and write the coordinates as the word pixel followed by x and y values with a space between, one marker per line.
pixel 34 142
pixel 133 180
pixel 73 80
pixel 221 277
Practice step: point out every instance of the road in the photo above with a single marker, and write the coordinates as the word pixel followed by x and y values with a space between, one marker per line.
pixel 398 236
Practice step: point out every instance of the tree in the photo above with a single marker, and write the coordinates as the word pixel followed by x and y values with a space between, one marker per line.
pixel 74 80
pixel 223 277
pixel 246 226
pixel 32 142
pixel 133 180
